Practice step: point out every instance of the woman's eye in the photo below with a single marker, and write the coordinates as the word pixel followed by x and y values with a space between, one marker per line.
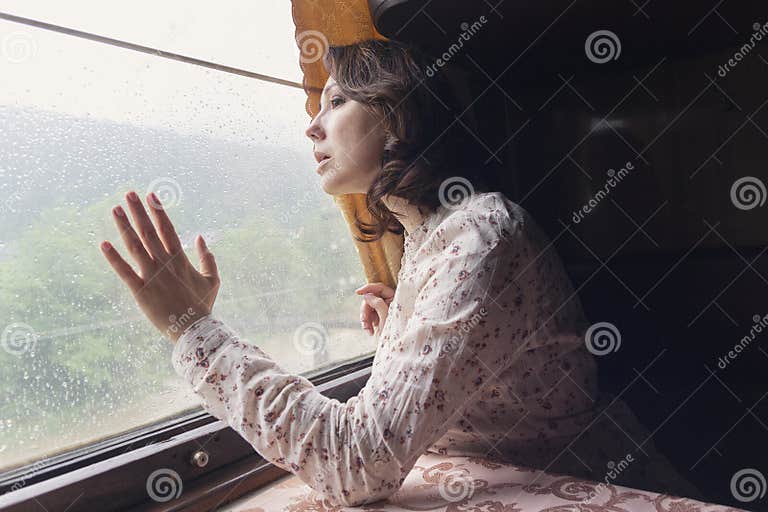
pixel 334 100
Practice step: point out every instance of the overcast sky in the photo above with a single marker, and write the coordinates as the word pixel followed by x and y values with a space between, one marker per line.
pixel 56 72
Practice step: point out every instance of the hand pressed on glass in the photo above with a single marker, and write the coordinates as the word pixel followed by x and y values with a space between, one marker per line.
pixel 168 289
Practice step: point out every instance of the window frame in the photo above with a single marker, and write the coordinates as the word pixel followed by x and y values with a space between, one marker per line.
pixel 112 475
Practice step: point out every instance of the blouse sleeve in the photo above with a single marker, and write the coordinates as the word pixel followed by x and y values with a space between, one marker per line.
pixel 361 451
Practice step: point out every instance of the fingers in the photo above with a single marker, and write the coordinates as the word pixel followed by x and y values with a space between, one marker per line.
pixel 131 239
pixel 367 317
pixel 165 229
pixel 122 268
pixel 208 265
pixel 378 289
pixel 145 228
pixel 364 316
pixel 375 306
pixel 379 305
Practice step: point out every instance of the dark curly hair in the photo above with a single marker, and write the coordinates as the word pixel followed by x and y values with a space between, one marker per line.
pixel 427 142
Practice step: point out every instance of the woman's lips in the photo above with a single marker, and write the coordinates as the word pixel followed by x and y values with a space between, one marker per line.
pixel 322 162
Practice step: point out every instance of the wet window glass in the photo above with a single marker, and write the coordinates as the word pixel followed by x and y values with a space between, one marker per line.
pixel 81 123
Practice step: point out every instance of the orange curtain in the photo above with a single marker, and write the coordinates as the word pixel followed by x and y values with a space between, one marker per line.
pixel 320 23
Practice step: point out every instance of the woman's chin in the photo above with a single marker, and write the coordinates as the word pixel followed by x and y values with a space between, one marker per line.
pixel 330 186
pixel 336 183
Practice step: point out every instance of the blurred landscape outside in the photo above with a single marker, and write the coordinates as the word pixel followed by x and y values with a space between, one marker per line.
pixel 82 123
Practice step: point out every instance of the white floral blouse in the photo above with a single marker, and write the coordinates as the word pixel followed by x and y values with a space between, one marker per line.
pixel 482 354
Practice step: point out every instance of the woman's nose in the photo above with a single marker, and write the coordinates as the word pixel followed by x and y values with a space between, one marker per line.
pixel 314 130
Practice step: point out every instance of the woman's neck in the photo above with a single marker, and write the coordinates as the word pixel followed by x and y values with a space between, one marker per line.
pixel 410 216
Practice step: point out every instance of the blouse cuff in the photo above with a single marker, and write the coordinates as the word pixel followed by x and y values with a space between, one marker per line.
pixel 199 341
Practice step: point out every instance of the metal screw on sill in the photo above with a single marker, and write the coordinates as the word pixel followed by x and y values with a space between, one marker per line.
pixel 199 459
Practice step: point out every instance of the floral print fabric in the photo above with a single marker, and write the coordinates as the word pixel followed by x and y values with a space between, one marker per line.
pixel 440 483
pixel 482 355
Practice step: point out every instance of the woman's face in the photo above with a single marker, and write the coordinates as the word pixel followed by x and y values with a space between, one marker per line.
pixel 352 137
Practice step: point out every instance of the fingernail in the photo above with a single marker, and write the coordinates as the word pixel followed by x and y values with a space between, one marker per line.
pixel 105 246
pixel 154 198
pixel 133 197
pixel 118 211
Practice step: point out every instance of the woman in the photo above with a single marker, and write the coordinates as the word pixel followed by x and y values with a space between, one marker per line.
pixel 481 346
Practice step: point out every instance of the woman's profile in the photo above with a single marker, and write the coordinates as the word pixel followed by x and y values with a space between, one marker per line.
pixel 481 346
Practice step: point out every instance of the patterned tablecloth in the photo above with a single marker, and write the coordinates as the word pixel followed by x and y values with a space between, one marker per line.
pixel 471 484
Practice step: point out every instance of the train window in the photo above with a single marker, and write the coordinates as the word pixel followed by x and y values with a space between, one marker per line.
pixel 84 122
